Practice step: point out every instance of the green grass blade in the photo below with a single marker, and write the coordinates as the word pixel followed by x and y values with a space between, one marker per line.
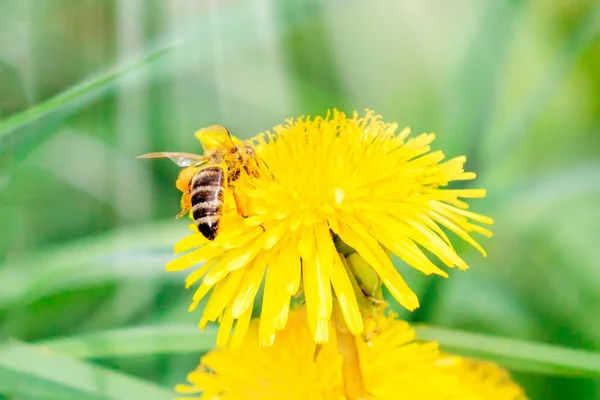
pixel 136 341
pixel 29 371
pixel 21 132
pixel 515 354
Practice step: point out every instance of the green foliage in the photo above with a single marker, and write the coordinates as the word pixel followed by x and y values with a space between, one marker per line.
pixel 21 132
pixel 518 354
pixel 86 309
pixel 25 370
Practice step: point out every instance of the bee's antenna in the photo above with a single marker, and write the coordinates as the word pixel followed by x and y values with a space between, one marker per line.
pixel 230 137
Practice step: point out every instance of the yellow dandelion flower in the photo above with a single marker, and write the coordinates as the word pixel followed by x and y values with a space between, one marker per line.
pixel 322 185
pixel 484 378
pixel 392 366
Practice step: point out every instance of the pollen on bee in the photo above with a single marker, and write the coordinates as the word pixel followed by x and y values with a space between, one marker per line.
pixel 185 177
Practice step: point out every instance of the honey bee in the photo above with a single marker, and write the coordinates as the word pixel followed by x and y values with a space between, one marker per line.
pixel 205 179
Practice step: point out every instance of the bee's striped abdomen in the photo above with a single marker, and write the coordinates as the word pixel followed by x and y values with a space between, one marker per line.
pixel 207 200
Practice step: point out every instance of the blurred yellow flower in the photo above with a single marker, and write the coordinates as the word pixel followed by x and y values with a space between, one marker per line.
pixel 485 379
pixel 324 184
pixel 392 365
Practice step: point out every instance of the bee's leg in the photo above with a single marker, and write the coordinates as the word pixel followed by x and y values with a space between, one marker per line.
pixel 318 348
pixel 252 171
pixel 239 204
pixel 186 204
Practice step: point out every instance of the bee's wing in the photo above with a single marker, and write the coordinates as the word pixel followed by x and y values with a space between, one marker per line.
pixel 181 159
pixel 216 136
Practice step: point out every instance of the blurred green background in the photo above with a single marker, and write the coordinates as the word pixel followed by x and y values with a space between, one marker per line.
pixel 86 85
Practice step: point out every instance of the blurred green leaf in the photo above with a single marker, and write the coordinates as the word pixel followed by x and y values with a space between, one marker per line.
pixel 583 36
pixel 527 200
pixel 136 341
pixel 13 97
pixel 307 48
pixel 27 370
pixel 516 354
pixel 131 253
pixel 21 132
pixel 476 84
